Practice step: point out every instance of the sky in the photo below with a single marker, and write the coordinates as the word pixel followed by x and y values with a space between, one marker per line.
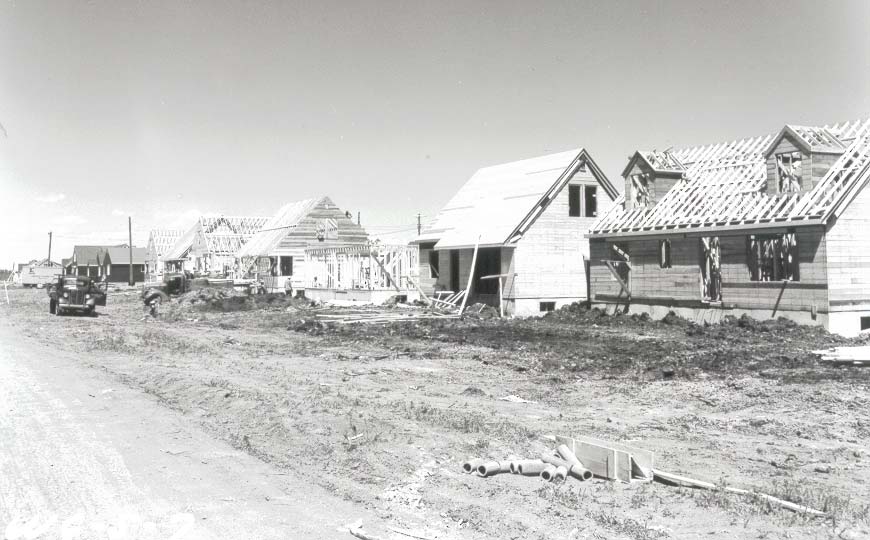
pixel 167 110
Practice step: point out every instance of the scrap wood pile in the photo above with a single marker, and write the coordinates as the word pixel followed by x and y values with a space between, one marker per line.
pixel 398 312
pixel 380 316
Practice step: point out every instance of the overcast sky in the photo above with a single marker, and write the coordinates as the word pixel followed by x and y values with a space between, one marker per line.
pixel 165 110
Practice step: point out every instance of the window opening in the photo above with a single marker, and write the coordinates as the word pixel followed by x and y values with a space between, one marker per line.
pixel 711 269
pixel 664 253
pixel 574 201
pixel 547 306
pixel 640 189
pixel 590 198
pixel 788 169
pixel 772 257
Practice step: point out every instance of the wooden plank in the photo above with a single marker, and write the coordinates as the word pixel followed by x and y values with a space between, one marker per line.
pixel 470 276
pixel 610 460
pixel 692 482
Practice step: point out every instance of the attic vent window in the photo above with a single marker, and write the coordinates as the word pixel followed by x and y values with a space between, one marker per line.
pixel 573 201
pixel 788 172
pixel 590 201
pixel 640 190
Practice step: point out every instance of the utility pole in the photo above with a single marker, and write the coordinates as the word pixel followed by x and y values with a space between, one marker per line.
pixel 358 222
pixel 419 225
pixel 130 240
pixel 49 249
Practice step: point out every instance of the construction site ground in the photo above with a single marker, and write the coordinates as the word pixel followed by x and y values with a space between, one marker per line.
pixel 383 415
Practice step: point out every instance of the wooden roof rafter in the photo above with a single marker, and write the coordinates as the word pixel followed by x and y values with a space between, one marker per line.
pixel 724 185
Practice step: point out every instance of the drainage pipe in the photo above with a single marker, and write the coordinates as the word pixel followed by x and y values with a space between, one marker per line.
pixel 472 464
pixel 576 465
pixel 577 472
pixel 530 467
pixel 493 467
pixel 549 472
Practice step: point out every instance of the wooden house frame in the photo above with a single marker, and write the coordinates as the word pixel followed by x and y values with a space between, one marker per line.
pixel 160 241
pixel 276 254
pixel 768 226
pixel 210 245
pixel 525 221
pixel 370 272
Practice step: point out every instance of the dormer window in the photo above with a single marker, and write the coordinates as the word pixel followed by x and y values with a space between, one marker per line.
pixel 640 190
pixel 788 172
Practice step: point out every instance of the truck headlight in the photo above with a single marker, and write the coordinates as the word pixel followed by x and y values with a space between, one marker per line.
pixel 87 297
pixel 66 294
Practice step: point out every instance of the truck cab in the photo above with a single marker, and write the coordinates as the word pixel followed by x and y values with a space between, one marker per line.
pixel 75 293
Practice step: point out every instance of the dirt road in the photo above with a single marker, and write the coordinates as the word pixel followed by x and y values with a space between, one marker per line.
pixel 84 457
pixel 384 415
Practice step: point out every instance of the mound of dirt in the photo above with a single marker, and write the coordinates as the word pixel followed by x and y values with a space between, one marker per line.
pixel 224 300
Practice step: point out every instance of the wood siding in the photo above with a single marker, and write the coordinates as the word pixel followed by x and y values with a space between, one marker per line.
pixel 680 284
pixel 548 260
pixel 426 278
pixel 849 253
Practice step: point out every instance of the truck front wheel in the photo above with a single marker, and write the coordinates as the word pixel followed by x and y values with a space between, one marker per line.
pixel 52 306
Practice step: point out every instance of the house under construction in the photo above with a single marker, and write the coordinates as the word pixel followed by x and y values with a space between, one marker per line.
pixel 276 255
pixel 517 230
pixel 768 226
pixel 210 245
pixel 160 241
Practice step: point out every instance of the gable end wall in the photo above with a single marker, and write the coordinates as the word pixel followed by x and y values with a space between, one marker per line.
pixel 548 260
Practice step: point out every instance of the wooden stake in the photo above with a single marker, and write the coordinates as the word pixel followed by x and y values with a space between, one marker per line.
pixel 130 281
pixel 470 276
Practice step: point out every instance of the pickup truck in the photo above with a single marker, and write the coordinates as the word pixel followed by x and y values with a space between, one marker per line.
pixel 75 293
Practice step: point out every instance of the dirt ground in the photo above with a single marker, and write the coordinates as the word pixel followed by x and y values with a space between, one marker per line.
pixel 384 415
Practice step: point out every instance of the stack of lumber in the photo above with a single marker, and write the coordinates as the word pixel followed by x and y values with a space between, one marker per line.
pixel 381 316
pixel 846 356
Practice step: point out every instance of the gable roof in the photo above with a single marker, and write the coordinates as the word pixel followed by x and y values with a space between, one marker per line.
pixel 274 230
pixel 499 203
pixel 660 162
pixel 810 139
pixel 89 255
pixel 121 255
pixel 723 187
pixel 220 234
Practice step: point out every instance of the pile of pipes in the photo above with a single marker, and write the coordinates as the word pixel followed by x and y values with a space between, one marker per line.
pixel 550 467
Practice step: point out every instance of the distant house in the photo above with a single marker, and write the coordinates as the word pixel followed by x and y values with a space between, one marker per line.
pixel 768 226
pixel 36 272
pixel 210 245
pixel 160 241
pixel 277 252
pixel 86 261
pixel 528 219
pixel 116 264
